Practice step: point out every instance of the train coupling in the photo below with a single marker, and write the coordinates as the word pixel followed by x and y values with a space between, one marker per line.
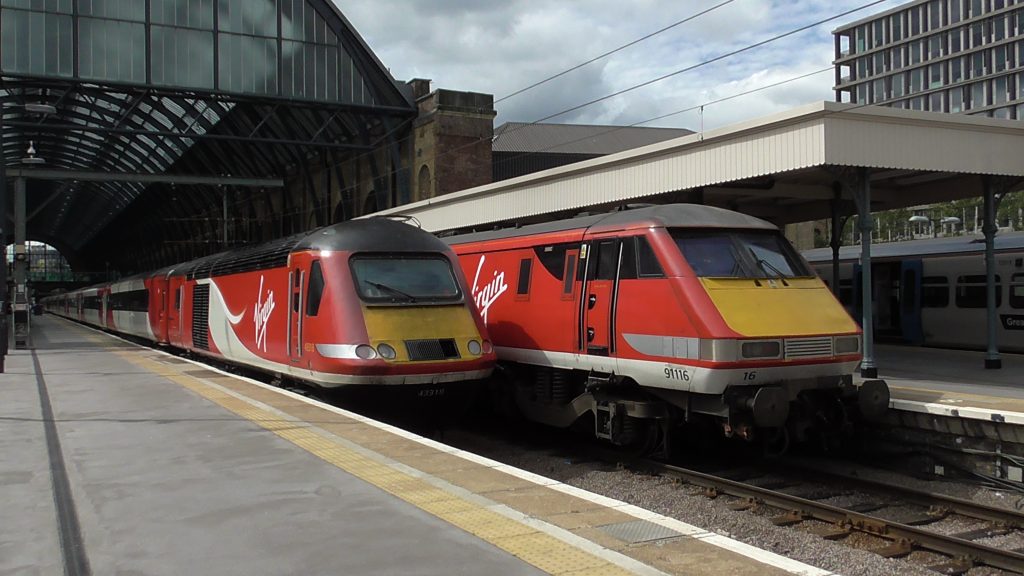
pixel 769 406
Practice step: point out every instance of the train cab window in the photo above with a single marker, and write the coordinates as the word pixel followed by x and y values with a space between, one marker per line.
pixel 934 292
pixel 627 267
pixel 739 254
pixel 568 275
pixel 607 259
pixel 315 292
pixel 971 291
pixel 401 279
pixel 646 261
pixel 523 286
pixel 846 292
pixel 1017 291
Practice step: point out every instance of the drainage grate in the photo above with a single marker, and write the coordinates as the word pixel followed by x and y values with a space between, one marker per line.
pixel 639 531
pixel 443 349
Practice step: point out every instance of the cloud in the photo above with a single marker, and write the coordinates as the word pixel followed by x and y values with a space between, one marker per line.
pixel 499 48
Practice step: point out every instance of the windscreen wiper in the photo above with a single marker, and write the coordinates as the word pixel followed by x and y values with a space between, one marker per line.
pixel 394 291
pixel 764 265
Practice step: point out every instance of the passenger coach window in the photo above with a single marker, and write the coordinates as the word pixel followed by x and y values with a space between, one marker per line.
pixel 525 265
pixel 934 292
pixel 1017 291
pixel 570 267
pixel 316 289
pixel 970 291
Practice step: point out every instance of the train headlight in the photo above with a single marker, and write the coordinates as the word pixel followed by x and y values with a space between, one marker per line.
pixel 386 351
pixel 847 345
pixel 474 347
pixel 366 352
pixel 761 349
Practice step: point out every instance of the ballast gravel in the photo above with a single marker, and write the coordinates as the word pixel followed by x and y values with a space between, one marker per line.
pixel 688 503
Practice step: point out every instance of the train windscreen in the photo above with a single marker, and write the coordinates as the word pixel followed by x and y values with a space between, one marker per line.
pixel 739 254
pixel 404 279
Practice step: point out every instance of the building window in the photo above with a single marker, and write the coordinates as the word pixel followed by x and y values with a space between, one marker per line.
pixel 1003 113
pixel 878 90
pixel 916 80
pixel 956 73
pixel 898 84
pixel 915 52
pixel 954 11
pixel 999 95
pixel 999 57
pixel 977 33
pixel 936 101
pixel 954 41
pixel 978 99
pixel 935 14
pixel 956 100
pixel 935 46
pixel 915 21
pixel 897 27
pixel 917 103
pixel 935 76
pixel 879 62
pixel 860 35
pixel 978 65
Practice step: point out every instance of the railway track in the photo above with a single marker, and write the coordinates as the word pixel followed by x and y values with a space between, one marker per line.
pixel 904 537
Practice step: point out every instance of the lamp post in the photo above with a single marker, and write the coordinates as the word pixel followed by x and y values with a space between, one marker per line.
pixel 20 288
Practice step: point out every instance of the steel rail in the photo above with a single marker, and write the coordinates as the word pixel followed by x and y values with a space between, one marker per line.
pixel 952 504
pixel 809 509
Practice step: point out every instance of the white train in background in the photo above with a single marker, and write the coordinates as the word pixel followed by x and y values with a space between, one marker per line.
pixel 932 292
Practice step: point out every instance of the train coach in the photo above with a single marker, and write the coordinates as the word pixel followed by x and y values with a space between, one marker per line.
pixel 647 318
pixel 932 291
pixel 361 305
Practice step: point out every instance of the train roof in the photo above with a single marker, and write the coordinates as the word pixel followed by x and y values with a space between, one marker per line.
pixel 371 234
pixel 948 246
pixel 665 215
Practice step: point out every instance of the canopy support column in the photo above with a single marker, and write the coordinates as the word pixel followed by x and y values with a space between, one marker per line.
pixel 862 196
pixel 992 199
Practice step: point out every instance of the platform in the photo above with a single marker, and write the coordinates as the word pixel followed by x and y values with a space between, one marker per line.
pixel 953 383
pixel 122 459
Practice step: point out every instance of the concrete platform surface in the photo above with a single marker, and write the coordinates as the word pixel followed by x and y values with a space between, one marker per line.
pixel 953 383
pixel 120 459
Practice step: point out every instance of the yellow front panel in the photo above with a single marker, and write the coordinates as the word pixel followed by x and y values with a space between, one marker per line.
pixel 805 307
pixel 395 324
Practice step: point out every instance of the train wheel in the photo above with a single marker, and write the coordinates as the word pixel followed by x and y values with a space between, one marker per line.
pixel 774 441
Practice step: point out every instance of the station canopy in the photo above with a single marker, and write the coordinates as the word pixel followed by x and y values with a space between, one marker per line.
pixel 158 105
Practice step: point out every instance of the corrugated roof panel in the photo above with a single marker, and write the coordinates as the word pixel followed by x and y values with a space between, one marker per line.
pixel 808 137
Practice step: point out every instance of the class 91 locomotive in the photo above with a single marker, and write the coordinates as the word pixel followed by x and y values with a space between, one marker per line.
pixel 367 304
pixel 647 318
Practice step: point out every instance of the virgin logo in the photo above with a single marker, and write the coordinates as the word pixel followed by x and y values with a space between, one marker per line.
pixel 261 314
pixel 487 295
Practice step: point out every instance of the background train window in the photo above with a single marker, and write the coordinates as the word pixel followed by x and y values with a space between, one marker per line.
pixel 970 291
pixel 525 265
pixel 647 262
pixel 846 292
pixel 934 292
pixel 1017 291
pixel 316 289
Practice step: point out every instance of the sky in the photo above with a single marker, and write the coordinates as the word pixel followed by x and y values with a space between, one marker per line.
pixel 501 47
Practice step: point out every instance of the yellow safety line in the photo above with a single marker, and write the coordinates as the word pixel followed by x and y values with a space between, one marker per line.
pixel 535 547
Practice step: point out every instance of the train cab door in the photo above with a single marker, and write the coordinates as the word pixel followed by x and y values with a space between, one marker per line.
pixel 910 301
pixel 599 299
pixel 175 297
pixel 296 310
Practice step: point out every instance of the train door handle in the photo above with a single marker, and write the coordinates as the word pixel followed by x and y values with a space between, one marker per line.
pixel 590 334
pixel 591 301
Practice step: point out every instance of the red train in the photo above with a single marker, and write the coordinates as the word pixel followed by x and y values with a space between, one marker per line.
pixel 363 304
pixel 651 317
